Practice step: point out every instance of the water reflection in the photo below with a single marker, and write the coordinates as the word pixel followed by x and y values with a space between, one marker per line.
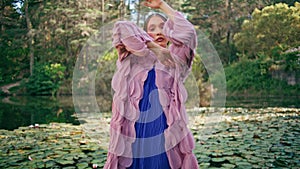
pixel 263 101
pixel 25 111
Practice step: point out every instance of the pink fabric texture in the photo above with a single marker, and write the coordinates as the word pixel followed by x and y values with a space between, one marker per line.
pixel 135 61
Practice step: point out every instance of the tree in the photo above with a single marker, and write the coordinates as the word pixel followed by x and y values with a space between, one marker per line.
pixel 30 35
pixel 12 34
pixel 221 20
pixel 273 26
pixel 289 2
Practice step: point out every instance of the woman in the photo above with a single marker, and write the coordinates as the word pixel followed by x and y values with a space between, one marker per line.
pixel 149 121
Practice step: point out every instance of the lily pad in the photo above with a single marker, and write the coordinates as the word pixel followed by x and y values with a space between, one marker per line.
pixel 204 165
pixel 218 160
pixel 69 167
pixel 260 138
pixel 82 165
pixel 228 166
pixel 203 158
pixel 64 162
pixel 243 164
pixel 50 164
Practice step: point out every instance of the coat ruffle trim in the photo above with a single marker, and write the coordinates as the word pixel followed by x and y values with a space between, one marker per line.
pixel 128 84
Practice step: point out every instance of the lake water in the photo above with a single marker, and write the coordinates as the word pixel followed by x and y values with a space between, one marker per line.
pixel 263 101
pixel 26 111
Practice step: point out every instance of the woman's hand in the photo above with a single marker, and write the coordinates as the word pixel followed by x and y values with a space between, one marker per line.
pixel 153 3
pixel 162 54
pixel 122 51
pixel 162 5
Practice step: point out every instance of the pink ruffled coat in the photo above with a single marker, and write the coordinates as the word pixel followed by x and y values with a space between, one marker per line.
pixel 132 70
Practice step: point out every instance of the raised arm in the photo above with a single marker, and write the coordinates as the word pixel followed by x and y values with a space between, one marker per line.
pixel 178 30
pixel 129 38
pixel 162 5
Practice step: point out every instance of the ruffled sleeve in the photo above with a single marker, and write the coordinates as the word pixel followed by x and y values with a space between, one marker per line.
pixel 179 142
pixel 129 38
pixel 183 37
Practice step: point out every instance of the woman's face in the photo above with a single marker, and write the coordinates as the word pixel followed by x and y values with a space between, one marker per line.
pixel 154 29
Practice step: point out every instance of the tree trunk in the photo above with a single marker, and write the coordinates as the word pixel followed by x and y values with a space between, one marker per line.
pixel 138 13
pixel 2 6
pixel 30 35
pixel 122 10
pixel 229 27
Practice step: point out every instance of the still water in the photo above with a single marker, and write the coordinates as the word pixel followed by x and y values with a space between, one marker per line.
pixel 26 111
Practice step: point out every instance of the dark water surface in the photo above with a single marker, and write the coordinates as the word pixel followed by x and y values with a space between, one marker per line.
pixel 25 111
pixel 263 101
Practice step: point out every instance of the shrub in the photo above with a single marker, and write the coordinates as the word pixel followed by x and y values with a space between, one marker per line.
pixel 46 79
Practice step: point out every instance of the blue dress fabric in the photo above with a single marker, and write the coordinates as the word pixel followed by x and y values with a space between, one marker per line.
pixel 148 148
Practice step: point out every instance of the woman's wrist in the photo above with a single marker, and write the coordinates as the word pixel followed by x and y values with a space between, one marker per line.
pixel 167 9
pixel 160 3
pixel 155 48
pixel 152 46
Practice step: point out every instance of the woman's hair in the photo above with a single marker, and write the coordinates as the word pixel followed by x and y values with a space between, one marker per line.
pixel 164 18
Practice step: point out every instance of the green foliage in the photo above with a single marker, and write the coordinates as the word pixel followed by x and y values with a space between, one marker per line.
pixel 221 20
pixel 272 27
pixel 105 71
pixel 12 50
pixel 292 61
pixel 289 2
pixel 61 28
pixel 252 77
pixel 198 69
pixel 288 61
pixel 12 61
pixel 58 31
pixel 45 80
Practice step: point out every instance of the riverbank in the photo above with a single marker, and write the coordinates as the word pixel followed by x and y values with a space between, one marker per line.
pixel 225 138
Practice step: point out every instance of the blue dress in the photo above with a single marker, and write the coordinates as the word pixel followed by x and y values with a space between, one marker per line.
pixel 148 149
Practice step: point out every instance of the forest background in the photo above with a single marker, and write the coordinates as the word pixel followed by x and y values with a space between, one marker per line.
pixel 257 41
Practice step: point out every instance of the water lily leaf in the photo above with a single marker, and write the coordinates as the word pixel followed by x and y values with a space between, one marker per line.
pixel 203 158
pixel 253 159
pixel 82 165
pixel 204 165
pixel 70 167
pixel 228 153
pixel 216 154
pixel 49 163
pixel 243 164
pixel 68 157
pixel 248 138
pixel 13 163
pixel 281 163
pixel 228 166
pixel 82 155
pixel 64 162
pixel 233 159
pixel 218 160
